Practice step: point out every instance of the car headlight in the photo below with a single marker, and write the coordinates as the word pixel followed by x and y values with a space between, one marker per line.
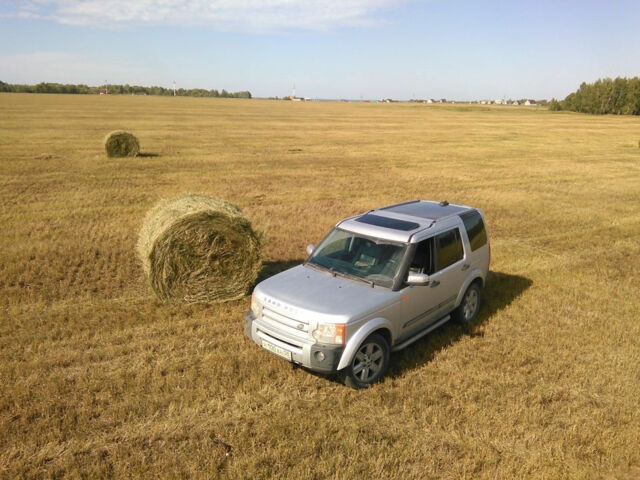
pixel 256 308
pixel 332 333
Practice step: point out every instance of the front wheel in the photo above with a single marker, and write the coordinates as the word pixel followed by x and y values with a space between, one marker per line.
pixel 469 307
pixel 369 364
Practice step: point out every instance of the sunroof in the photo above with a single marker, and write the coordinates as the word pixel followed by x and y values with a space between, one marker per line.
pixel 386 222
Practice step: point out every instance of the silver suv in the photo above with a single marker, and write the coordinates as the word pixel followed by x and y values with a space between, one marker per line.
pixel 378 282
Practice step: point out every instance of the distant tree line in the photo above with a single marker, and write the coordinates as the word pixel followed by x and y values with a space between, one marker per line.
pixel 620 96
pixel 46 87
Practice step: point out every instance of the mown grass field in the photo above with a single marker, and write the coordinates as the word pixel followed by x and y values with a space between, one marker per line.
pixel 100 380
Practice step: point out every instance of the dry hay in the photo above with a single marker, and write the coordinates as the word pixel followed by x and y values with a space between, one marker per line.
pixel 199 249
pixel 121 144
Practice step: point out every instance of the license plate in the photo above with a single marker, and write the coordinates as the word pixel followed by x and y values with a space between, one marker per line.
pixel 281 352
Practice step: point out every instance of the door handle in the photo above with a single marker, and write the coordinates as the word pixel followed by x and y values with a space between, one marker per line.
pixel 435 283
pixel 465 267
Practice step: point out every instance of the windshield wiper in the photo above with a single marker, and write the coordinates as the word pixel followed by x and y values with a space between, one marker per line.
pixel 335 272
pixel 356 277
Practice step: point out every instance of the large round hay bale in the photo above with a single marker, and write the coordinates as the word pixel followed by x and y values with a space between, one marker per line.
pixel 199 249
pixel 121 144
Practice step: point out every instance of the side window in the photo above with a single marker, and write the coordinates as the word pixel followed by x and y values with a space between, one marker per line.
pixel 423 258
pixel 474 226
pixel 448 248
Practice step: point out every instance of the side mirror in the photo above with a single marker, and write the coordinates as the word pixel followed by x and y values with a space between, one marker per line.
pixel 418 279
pixel 310 248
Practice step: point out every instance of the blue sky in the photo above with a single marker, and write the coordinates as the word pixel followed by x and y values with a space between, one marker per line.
pixel 329 48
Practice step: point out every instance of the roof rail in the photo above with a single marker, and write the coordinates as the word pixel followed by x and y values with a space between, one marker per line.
pixel 433 222
pixel 352 217
pixel 397 204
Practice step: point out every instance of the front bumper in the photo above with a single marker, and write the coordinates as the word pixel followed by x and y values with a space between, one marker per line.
pixel 303 352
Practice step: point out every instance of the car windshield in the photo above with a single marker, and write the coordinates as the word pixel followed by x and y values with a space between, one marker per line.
pixel 372 260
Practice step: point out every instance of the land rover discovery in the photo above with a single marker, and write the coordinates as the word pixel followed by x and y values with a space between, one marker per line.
pixel 376 283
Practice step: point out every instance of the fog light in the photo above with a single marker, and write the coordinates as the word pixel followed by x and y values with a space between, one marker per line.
pixel 319 356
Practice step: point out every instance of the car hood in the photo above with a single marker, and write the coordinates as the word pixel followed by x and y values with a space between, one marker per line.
pixel 303 292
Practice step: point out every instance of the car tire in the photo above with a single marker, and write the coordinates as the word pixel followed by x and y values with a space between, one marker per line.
pixel 369 364
pixel 469 307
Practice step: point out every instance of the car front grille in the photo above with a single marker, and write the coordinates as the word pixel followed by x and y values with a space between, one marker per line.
pixel 294 328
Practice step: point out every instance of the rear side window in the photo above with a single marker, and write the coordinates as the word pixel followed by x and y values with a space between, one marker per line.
pixel 448 248
pixel 475 229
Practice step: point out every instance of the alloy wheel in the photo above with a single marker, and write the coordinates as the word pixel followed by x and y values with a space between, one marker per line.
pixel 368 362
pixel 470 304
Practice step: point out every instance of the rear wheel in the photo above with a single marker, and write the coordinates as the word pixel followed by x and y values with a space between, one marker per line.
pixel 469 307
pixel 369 364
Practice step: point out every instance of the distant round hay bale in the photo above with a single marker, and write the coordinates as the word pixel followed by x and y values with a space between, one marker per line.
pixel 199 249
pixel 121 144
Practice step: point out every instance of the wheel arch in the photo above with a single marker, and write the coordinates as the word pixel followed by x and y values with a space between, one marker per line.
pixel 474 277
pixel 385 333
pixel 380 325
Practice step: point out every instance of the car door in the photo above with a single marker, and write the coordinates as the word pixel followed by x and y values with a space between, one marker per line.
pixel 450 270
pixel 418 300
pixel 442 257
pixel 478 241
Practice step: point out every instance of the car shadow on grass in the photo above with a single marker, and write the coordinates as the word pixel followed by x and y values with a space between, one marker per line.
pixel 501 289
pixel 269 269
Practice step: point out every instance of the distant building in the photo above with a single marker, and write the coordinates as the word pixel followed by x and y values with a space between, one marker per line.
pixel 431 100
pixel 515 102
pixel 530 102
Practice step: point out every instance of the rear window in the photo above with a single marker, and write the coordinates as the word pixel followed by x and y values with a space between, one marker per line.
pixel 387 222
pixel 475 229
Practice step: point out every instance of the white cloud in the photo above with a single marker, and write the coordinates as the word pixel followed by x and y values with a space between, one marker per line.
pixel 243 15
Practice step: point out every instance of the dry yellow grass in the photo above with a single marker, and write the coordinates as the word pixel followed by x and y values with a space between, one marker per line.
pixel 101 380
